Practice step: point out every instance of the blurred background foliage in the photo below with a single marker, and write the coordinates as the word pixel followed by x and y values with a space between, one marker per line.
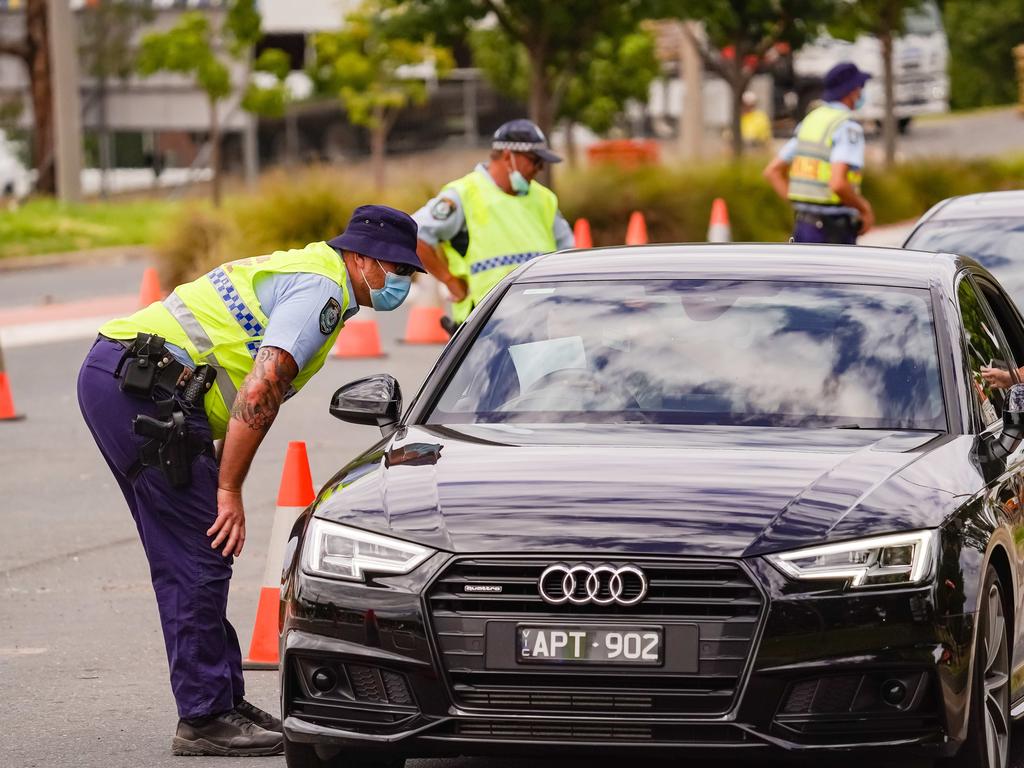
pixel 981 36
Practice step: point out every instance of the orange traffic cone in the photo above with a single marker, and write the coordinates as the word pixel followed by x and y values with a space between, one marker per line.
pixel 581 233
pixel 359 338
pixel 719 230
pixel 424 326
pixel 294 495
pixel 150 291
pixel 636 232
pixel 6 400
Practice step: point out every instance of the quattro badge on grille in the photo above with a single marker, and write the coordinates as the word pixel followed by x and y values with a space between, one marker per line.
pixel 483 589
pixel 586 584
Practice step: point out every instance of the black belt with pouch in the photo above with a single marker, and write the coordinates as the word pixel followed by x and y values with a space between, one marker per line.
pixel 147 369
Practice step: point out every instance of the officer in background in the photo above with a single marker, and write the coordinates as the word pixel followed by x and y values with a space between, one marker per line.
pixel 820 169
pixel 148 393
pixel 482 226
pixel 755 127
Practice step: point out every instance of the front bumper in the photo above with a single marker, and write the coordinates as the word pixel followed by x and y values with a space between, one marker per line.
pixel 813 676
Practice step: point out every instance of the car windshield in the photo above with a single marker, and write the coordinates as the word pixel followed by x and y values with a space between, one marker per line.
pixel 786 354
pixel 997 244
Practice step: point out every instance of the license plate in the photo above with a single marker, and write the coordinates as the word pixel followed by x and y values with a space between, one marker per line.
pixel 589 645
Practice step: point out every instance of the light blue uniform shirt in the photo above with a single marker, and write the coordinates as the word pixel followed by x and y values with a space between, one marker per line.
pixel 292 303
pixel 847 147
pixel 443 220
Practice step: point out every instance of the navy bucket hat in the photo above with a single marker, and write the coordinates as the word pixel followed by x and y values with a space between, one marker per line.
pixel 381 233
pixel 843 78
pixel 524 136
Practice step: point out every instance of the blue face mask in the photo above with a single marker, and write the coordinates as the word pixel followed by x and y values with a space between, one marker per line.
pixel 859 103
pixel 519 183
pixel 391 296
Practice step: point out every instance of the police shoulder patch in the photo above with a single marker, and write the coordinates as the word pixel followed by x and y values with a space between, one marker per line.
pixel 443 208
pixel 330 315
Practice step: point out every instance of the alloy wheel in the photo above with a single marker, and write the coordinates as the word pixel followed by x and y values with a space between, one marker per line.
pixel 996 680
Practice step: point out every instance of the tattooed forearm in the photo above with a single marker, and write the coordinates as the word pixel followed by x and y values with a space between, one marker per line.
pixel 261 394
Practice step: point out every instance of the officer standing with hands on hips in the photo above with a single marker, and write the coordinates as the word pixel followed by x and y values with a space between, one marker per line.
pixel 820 169
pixel 216 359
pixel 484 225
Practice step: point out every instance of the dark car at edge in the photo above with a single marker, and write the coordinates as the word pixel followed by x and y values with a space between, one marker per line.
pixel 677 500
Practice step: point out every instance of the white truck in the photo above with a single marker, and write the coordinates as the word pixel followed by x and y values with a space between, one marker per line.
pixel 920 61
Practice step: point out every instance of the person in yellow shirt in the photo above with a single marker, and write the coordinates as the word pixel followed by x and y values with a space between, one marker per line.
pixel 755 127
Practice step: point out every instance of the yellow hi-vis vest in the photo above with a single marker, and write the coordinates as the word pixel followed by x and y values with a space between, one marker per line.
pixel 811 170
pixel 218 320
pixel 504 231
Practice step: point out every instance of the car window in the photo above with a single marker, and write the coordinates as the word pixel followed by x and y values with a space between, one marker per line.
pixel 702 352
pixel 1005 317
pixel 996 244
pixel 984 349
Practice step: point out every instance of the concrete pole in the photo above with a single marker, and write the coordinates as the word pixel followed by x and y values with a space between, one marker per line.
pixel 67 111
pixel 251 149
pixel 692 73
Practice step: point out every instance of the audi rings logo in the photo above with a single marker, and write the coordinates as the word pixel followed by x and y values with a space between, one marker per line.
pixel 586 584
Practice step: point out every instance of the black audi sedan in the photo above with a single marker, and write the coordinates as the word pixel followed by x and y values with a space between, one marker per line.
pixel 678 500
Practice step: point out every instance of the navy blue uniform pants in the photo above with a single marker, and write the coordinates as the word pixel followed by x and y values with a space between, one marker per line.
pixel 839 230
pixel 189 577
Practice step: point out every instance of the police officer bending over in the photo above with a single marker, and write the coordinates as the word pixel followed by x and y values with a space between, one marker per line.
pixel 214 360
pixel 484 225
pixel 820 169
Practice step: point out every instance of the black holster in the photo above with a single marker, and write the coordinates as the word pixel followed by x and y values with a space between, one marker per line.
pixel 148 370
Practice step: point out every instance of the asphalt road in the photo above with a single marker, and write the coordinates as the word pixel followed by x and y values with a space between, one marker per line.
pixel 83 676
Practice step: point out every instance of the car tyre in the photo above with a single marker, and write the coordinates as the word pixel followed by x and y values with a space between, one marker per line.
pixel 297 755
pixel 988 735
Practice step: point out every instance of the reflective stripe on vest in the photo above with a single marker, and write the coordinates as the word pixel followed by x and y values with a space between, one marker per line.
pixel 504 231
pixel 811 170
pixel 202 343
pixel 236 306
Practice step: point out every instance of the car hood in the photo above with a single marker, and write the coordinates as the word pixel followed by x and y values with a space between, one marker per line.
pixel 648 489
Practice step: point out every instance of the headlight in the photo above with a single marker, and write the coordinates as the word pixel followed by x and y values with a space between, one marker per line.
pixel 340 552
pixel 903 558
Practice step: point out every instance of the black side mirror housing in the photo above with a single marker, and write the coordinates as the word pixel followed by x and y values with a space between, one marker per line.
pixel 1013 425
pixel 373 401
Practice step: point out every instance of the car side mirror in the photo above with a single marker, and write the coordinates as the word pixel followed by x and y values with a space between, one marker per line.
pixel 1013 425
pixel 373 401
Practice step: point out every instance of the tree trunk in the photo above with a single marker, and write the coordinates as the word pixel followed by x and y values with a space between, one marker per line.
pixel 691 121
pixel 540 100
pixel 737 86
pixel 214 153
pixel 103 133
pixel 37 35
pixel 378 148
pixel 889 120
pixel 570 144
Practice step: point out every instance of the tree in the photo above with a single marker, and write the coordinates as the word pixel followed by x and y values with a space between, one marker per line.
pixel 981 70
pixel 367 65
pixel 885 19
pixel 616 69
pixel 557 36
pixel 739 33
pixel 34 51
pixel 107 52
pixel 192 47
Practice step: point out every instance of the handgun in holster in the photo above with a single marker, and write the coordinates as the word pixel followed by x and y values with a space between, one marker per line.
pixel 167 447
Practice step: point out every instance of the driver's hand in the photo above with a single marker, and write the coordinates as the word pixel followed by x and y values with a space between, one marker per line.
pixel 996 377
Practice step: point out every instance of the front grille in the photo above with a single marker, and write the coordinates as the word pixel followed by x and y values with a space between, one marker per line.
pixel 715 596
pixel 650 733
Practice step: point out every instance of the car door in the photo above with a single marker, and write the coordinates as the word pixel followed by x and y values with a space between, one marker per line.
pixel 1007 489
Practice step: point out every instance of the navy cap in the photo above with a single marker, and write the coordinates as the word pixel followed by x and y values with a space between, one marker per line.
pixel 380 233
pixel 524 136
pixel 843 78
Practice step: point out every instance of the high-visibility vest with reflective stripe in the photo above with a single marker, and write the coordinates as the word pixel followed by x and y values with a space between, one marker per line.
pixel 218 320
pixel 504 231
pixel 811 169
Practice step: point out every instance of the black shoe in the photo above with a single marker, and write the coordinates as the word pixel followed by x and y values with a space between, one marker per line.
pixel 263 719
pixel 228 734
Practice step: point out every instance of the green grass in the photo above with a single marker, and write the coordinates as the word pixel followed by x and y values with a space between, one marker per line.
pixel 45 226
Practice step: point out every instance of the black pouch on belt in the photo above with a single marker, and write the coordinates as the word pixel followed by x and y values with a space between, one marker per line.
pixel 146 365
